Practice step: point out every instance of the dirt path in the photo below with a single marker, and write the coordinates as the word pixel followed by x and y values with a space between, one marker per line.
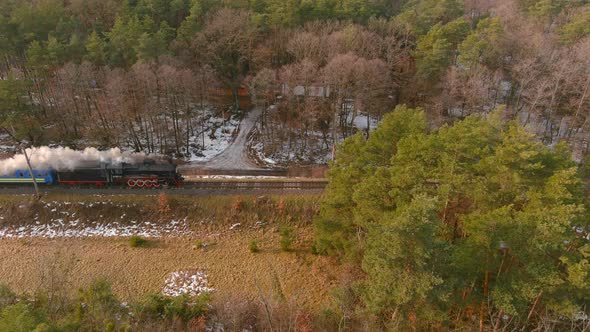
pixel 236 155
pixel 231 269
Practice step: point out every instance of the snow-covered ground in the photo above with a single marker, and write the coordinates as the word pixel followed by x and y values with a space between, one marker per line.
pixel 212 134
pixel 6 144
pixel 192 283
pixel 290 146
pixel 284 153
pixel 235 156
pixel 65 224
pixel 360 122
pixel 60 228
pixel 220 135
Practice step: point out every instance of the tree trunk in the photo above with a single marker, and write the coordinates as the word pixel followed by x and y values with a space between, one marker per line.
pixel 37 194
pixel 235 98
pixel 482 309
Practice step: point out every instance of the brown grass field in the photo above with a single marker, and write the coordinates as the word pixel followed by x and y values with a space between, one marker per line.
pixel 28 264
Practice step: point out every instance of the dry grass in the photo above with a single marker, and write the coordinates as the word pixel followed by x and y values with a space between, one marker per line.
pixel 302 278
pixel 232 269
pixel 202 214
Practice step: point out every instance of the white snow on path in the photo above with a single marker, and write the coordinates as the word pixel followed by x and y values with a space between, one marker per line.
pixel 235 156
pixel 213 147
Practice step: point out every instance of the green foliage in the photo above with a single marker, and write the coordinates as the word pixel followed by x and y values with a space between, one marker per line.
pixel 184 307
pixel 549 9
pixel 419 16
pixel 98 307
pixel 20 317
pixel 36 55
pixel 545 8
pixel 577 28
pixel 17 116
pixel 152 45
pixel 287 237
pixel 96 49
pixel 125 37
pixel 435 51
pixel 484 45
pixel 7 296
pixel 355 158
pixel 56 52
pixel 199 244
pixel 36 21
pixel 403 260
pixel 137 241
pixel 430 222
pixel 254 246
pixel 291 13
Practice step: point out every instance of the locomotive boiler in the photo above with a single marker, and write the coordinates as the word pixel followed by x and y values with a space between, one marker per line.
pixel 148 174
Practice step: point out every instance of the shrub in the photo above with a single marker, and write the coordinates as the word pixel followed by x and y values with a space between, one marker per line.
pixel 137 241
pixel 238 205
pixel 254 246
pixel 314 250
pixel 157 306
pixel 199 244
pixel 287 238
pixel 281 205
pixel 7 296
pixel 163 204
pixel 20 317
pixel 98 309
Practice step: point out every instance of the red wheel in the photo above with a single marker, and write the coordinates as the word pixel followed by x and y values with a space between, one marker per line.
pixel 131 183
pixel 140 183
pixel 156 184
pixel 148 183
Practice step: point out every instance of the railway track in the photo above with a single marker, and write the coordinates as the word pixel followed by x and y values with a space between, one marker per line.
pixel 198 188
pixel 241 185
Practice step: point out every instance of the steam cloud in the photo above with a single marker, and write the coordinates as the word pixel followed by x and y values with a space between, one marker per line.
pixel 62 159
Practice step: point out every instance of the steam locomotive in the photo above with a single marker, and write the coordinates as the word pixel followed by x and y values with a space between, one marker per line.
pixel 148 174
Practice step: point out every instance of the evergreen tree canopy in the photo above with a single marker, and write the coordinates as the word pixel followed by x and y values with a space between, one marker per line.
pixel 443 220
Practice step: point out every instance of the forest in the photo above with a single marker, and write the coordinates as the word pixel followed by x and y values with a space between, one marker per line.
pixel 147 74
pixel 457 197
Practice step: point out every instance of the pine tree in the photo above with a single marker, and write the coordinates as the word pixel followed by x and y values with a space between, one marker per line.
pixel 484 45
pixel 402 263
pixel 55 52
pixel 36 56
pixel 577 28
pixel 475 213
pixel 96 49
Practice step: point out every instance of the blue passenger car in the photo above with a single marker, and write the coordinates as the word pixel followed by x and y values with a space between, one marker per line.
pixel 46 176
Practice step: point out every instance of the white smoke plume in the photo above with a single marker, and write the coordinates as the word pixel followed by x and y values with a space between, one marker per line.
pixel 62 159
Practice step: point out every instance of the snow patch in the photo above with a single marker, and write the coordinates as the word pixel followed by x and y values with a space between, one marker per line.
pixel 360 122
pixel 192 283
pixel 59 228
pixel 205 146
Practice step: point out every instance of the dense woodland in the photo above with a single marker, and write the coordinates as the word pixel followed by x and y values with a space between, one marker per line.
pixel 137 73
pixel 452 215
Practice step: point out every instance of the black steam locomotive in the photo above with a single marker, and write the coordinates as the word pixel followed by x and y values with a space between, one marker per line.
pixel 148 174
